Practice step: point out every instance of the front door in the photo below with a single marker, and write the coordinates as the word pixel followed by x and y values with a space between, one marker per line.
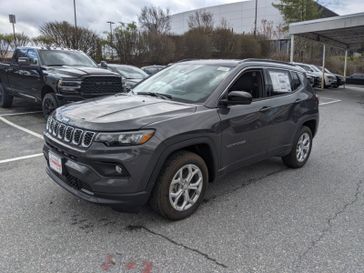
pixel 245 131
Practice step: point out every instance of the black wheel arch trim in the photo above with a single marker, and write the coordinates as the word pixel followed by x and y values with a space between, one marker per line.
pixel 174 146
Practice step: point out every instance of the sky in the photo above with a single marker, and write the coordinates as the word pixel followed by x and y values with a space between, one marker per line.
pixel 94 14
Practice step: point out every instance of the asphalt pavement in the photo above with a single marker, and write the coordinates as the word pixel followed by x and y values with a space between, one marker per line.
pixel 263 218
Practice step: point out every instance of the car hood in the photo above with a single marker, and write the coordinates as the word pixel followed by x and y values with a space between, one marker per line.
pixel 121 112
pixel 132 81
pixel 78 71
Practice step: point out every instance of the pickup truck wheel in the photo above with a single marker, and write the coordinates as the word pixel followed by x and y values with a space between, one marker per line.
pixel 6 100
pixel 181 186
pixel 301 149
pixel 49 104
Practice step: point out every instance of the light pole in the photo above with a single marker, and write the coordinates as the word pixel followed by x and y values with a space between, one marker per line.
pixel 111 23
pixel 12 21
pixel 75 13
pixel 256 15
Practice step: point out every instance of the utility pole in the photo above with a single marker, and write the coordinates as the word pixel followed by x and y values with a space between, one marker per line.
pixel 12 21
pixel 256 17
pixel 111 23
pixel 75 13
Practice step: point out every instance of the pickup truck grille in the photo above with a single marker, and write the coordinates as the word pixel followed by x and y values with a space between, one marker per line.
pixel 69 134
pixel 96 86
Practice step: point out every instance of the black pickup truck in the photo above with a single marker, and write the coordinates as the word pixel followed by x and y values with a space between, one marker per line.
pixel 54 77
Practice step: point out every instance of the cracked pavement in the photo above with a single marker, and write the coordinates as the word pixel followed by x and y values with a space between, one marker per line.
pixel 263 218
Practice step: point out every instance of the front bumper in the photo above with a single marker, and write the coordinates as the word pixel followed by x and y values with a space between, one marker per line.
pixel 84 176
pixel 124 200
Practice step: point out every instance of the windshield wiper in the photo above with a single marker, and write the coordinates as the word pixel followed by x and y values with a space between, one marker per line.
pixel 155 94
pixel 55 64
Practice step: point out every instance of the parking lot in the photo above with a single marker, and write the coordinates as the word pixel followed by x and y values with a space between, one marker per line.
pixel 263 218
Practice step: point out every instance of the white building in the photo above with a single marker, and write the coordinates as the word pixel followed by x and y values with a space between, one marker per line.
pixel 239 16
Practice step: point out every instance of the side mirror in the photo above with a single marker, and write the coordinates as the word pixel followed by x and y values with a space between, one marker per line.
pixel 103 64
pixel 23 61
pixel 237 97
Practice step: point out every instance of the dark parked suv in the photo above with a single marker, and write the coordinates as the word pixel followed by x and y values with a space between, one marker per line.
pixel 54 77
pixel 179 130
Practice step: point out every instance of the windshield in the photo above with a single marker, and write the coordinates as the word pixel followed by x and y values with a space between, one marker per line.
pixel 305 67
pixel 315 68
pixel 130 72
pixel 64 57
pixel 185 82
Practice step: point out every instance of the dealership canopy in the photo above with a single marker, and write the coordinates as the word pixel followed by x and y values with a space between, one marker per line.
pixel 346 32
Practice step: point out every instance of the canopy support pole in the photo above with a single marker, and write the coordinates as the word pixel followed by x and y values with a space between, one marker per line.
pixel 345 65
pixel 323 66
pixel 292 49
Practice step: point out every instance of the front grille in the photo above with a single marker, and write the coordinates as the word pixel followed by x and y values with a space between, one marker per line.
pixel 96 86
pixel 69 134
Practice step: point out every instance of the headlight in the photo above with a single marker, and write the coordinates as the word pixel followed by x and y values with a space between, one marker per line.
pixel 68 85
pixel 125 138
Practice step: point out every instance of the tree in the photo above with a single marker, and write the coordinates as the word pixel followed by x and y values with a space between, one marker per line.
pixel 249 47
pixel 63 34
pixel 298 10
pixel 155 19
pixel 125 41
pixel 225 43
pixel 5 44
pixel 201 19
pixel 197 44
pixel 159 48
pixel 22 39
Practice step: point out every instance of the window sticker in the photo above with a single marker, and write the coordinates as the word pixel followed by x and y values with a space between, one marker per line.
pixel 280 81
pixel 224 68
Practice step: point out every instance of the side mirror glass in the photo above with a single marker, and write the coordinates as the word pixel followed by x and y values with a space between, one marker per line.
pixel 238 97
pixel 23 61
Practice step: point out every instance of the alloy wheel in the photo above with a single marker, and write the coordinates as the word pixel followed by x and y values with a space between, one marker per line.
pixel 185 187
pixel 303 147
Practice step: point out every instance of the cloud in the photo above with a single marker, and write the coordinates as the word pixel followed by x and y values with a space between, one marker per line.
pixel 93 14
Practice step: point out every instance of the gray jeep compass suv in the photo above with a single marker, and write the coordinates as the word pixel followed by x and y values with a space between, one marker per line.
pixel 179 130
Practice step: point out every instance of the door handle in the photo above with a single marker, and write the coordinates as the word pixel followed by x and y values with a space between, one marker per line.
pixel 265 108
pixel 298 100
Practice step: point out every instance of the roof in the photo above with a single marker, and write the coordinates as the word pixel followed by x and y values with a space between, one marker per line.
pixel 46 48
pixel 345 31
pixel 235 62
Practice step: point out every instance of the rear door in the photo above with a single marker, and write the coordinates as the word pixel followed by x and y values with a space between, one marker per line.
pixel 283 101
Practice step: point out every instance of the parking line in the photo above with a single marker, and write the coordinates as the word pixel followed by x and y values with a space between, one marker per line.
pixel 19 114
pixel 21 128
pixel 329 102
pixel 19 158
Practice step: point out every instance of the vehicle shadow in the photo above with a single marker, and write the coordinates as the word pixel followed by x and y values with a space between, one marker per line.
pixel 90 217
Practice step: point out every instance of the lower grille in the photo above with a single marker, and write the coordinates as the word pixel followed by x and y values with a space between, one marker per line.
pixel 76 183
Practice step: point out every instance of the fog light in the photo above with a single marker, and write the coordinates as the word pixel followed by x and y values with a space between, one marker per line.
pixel 118 169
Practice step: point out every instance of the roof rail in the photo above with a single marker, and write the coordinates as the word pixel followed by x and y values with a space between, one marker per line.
pixel 266 60
pixel 186 60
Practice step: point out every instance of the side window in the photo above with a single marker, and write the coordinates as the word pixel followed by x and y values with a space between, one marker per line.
pixel 279 82
pixel 296 81
pixel 17 54
pixel 251 82
pixel 32 55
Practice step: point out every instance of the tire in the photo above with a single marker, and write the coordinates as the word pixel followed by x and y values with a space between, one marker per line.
pixel 49 104
pixel 6 100
pixel 300 152
pixel 177 168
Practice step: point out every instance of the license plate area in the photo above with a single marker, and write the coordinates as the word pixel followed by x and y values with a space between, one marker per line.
pixel 55 163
